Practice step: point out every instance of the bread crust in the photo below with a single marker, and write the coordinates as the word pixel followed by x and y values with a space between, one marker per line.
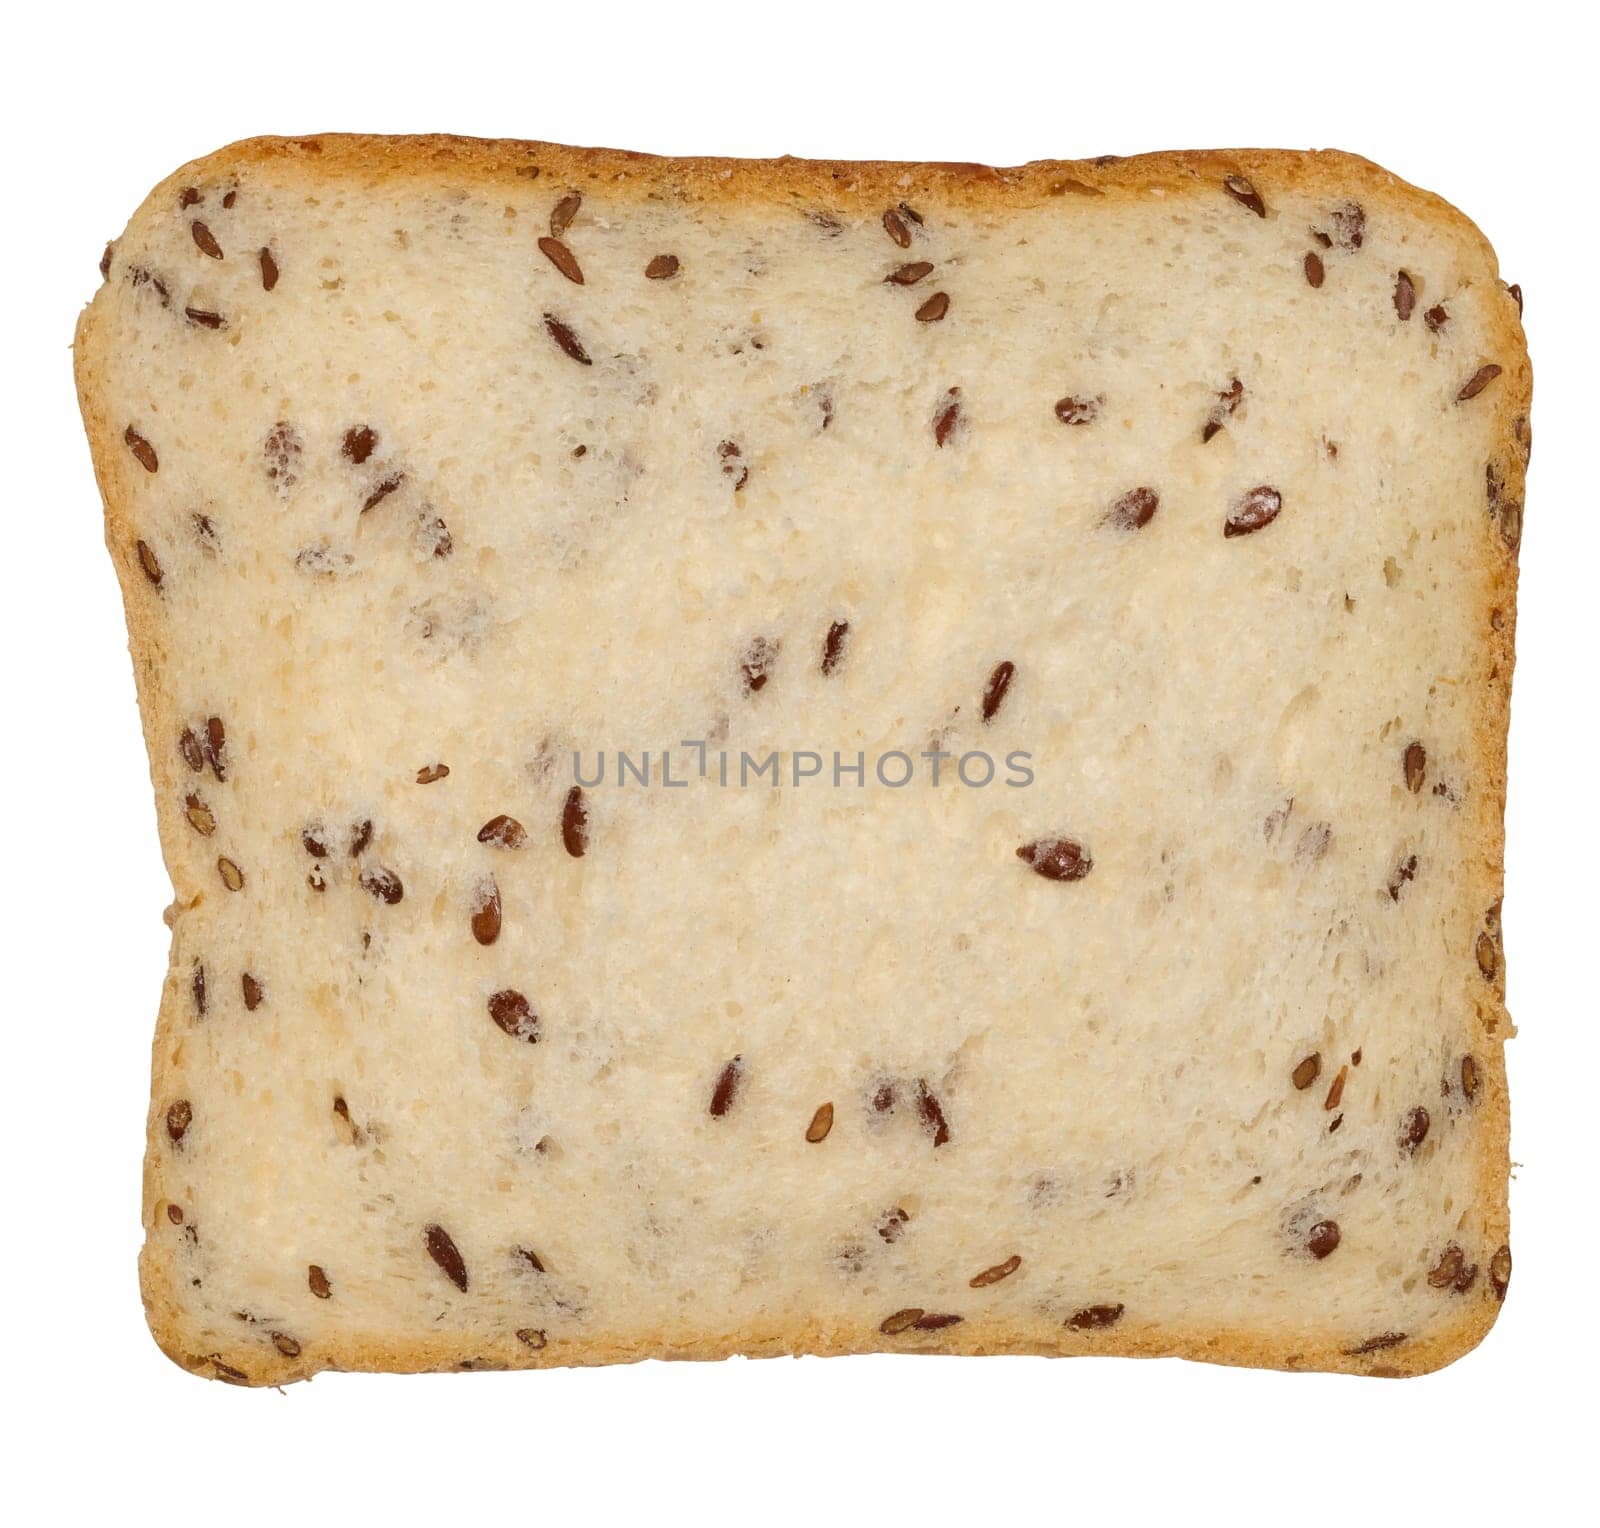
pixel 854 187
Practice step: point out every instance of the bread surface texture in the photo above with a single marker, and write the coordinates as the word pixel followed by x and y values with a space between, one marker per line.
pixel 1180 493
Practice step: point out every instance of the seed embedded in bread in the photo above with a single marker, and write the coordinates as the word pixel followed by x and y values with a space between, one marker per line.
pixel 1405 296
pixel 727 1088
pixel 575 823
pixel 442 1249
pixel 996 1273
pixel 1243 192
pixel 204 240
pixel 821 1124
pixel 503 832
pixel 562 258
pixel 1255 510
pixel 486 916
pixel 570 345
pixel 1078 411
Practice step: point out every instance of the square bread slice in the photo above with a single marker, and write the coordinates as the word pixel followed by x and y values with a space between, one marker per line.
pixel 787 757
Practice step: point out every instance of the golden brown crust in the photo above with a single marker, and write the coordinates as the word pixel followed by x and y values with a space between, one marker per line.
pixel 857 187
pixel 818 183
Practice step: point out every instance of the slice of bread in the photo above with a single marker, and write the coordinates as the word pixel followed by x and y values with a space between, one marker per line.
pixel 1168 507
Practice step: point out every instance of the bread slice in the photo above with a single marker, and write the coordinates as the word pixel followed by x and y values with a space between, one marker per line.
pixel 1168 506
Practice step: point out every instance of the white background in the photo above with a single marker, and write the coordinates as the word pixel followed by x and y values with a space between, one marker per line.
pixel 1491 108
